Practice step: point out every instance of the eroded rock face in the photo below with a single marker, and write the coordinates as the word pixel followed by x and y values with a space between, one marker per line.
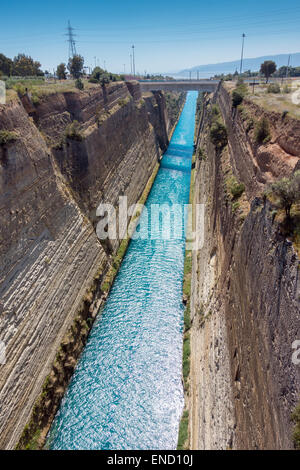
pixel 257 165
pixel 245 308
pixel 49 255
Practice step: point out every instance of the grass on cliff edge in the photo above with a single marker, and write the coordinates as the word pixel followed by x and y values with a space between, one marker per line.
pixel 186 350
pixel 183 431
pixel 296 420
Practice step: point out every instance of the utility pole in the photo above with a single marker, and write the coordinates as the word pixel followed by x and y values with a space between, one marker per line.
pixel 197 74
pixel 133 61
pixel 242 55
pixel 288 66
pixel 190 75
pixel 131 64
pixel 71 40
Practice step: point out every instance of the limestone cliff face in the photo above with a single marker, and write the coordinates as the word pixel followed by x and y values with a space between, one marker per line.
pixel 245 301
pixel 51 186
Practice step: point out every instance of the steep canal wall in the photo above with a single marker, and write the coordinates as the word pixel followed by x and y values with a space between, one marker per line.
pixel 245 288
pixel 64 156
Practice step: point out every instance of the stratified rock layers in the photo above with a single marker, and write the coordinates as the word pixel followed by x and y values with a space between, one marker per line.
pixel 51 186
pixel 245 298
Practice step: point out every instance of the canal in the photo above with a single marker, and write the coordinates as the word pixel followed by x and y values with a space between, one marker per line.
pixel 126 392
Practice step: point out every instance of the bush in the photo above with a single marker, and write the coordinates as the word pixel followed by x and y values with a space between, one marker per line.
pixel 6 137
pixel 286 89
pixel 237 98
pixel 186 359
pixel 122 102
pixel 79 84
pixel 218 135
pixel 262 131
pixel 236 188
pixel 73 131
pixel 20 89
pixel 286 192
pixel 296 433
pixel 183 431
pixel 215 110
pixel 274 88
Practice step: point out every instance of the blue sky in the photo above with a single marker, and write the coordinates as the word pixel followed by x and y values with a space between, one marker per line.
pixel 168 35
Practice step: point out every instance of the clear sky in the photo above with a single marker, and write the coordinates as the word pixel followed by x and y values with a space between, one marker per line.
pixel 169 35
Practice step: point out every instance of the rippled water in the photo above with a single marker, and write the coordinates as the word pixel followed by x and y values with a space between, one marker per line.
pixel 126 392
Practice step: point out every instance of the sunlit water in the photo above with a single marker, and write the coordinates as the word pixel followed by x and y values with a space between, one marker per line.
pixel 126 392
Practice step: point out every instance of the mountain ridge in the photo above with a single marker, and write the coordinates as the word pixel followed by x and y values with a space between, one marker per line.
pixel 252 64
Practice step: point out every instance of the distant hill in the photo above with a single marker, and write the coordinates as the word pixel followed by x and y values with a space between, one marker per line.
pixel 248 64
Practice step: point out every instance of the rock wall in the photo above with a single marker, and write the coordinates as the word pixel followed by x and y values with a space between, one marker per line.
pixel 245 301
pixel 259 164
pixel 51 185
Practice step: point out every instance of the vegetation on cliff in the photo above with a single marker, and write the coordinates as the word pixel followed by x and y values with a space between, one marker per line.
pixel 7 137
pixel 218 131
pixel 296 420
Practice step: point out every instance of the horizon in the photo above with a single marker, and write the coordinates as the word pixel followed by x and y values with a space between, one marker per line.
pixel 163 44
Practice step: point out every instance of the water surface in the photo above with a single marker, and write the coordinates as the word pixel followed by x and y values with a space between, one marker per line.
pixel 126 392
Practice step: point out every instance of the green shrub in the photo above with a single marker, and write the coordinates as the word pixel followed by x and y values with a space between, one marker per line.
pixel 262 131
pixel 236 188
pixel 20 89
pixel 7 136
pixel 273 88
pixel 215 111
pixel 250 124
pixel 73 131
pixel 187 317
pixel 122 103
pixel 296 433
pixel 79 84
pixel 218 135
pixel 286 192
pixel 183 431
pixel 35 98
pixel 286 89
pixel 237 98
pixel 186 358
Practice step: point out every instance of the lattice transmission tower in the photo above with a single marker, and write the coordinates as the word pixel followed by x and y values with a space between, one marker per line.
pixel 71 40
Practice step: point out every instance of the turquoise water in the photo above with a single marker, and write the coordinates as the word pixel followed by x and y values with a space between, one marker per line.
pixel 126 392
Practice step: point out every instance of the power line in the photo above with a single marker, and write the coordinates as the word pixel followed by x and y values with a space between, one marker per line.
pixel 242 56
pixel 133 61
pixel 71 40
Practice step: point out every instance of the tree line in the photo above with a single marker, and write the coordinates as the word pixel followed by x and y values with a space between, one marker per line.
pixel 268 69
pixel 21 66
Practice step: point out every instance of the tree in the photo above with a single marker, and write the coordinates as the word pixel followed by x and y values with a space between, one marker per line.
pixel 104 80
pixel 268 68
pixel 218 134
pixel 286 192
pixel 79 84
pixel 6 65
pixel 97 72
pixel 262 131
pixel 24 65
pixel 75 66
pixel 61 71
